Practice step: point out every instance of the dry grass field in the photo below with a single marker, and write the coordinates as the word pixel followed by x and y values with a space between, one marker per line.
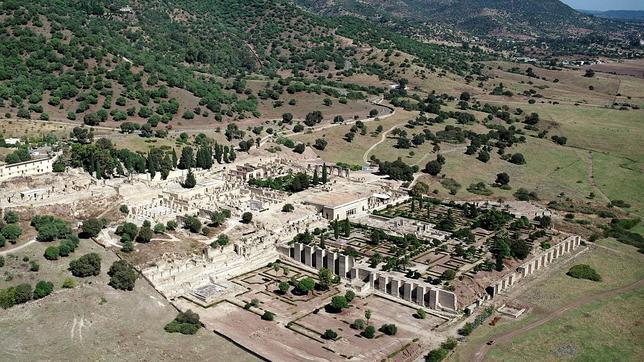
pixel 93 321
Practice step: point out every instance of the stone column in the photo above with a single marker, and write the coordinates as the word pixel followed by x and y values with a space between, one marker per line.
pixel 395 288
pixel 382 283
pixel 433 298
pixel 330 261
pixel 297 252
pixel 343 266
pixel 420 295
pixel 319 258
pixel 308 255
pixel 407 291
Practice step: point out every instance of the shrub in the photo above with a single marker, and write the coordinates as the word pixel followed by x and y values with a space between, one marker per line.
pixel 247 217
pixel 122 275
pixel 268 316
pixel 43 289
pixel 448 274
pixel 338 303
pixel 389 329
pixel 288 208
pixel 24 293
pixel 358 324
pixel 85 266
pixel 283 287
pixel 11 232
pixel 369 332
pixel 584 271
pixel 184 323
pixel 51 253
pixel 421 314
pixel 305 285
pixel 349 295
pixel 69 283
pixel 330 334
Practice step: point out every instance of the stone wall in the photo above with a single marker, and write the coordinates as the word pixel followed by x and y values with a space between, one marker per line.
pixel 538 262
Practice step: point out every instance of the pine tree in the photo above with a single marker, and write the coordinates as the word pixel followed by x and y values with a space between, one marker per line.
pixel 336 229
pixel 231 155
pixel 325 176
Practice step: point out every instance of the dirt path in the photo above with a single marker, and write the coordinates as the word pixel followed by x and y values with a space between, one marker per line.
pixel 9 251
pixel 383 137
pixel 507 337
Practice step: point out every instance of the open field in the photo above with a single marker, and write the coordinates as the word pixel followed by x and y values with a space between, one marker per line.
pixel 96 322
pixel 604 330
pixel 339 150
pixel 618 264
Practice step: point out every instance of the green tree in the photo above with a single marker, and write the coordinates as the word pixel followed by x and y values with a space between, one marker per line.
pixel 283 287
pixel 305 285
pixel 433 167
pixel 91 227
pixel 338 303
pixel 11 232
pixel 326 278
pixel 43 289
pixel 122 275
pixel 52 253
pixel 85 266
pixel 247 217
pixel 369 332
pixel 190 181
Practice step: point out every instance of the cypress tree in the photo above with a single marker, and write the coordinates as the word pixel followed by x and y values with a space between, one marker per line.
pixel 325 176
pixel 315 177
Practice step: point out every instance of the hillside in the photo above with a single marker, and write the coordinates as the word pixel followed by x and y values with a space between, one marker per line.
pixel 522 19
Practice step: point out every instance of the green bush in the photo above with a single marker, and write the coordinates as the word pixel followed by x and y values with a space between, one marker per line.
pixel 369 332
pixel 85 266
pixel 122 275
pixel 330 334
pixel 389 329
pixel 583 271
pixel 43 289
pixel 184 323
pixel 268 316
pixel 52 253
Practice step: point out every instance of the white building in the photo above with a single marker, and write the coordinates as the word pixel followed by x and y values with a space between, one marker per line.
pixel 27 168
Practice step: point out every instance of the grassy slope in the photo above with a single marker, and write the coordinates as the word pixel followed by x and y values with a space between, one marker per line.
pixel 618 267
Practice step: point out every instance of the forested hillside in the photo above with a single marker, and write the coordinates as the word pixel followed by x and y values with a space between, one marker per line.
pixel 454 19
pixel 116 59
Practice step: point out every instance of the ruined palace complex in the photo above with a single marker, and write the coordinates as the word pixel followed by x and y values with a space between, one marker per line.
pixel 390 249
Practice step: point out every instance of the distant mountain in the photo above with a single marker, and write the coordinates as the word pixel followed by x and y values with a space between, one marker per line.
pixel 509 18
pixel 627 15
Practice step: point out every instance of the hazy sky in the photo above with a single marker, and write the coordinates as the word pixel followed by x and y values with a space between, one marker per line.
pixel 606 5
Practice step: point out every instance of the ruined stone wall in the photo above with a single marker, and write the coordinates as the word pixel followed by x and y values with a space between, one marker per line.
pixel 413 291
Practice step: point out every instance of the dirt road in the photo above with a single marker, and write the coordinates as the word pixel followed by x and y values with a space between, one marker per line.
pixel 507 337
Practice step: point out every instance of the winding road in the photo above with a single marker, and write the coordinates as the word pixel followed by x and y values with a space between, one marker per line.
pixel 507 337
